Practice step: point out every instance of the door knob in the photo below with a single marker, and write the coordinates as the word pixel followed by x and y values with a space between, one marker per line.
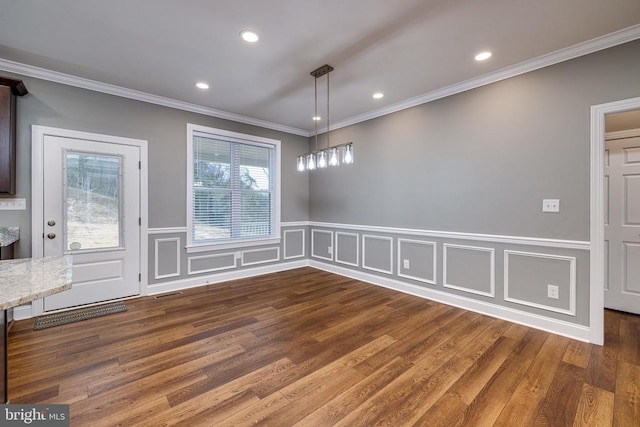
pixel 51 223
pixel 51 235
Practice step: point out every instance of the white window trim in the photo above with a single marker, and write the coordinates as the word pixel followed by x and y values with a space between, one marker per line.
pixel 201 247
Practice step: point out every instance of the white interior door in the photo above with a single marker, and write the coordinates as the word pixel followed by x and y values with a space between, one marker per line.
pixel 622 224
pixel 92 210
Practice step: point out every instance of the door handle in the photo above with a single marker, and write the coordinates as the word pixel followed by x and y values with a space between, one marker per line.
pixel 51 235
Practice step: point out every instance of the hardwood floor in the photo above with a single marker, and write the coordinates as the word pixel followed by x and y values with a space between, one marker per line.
pixel 310 348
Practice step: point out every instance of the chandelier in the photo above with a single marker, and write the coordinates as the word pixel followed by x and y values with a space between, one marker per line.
pixel 330 155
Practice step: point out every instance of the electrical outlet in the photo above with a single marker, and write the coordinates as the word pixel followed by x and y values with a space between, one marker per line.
pixel 405 264
pixel 330 250
pixel 13 204
pixel 551 205
pixel 552 291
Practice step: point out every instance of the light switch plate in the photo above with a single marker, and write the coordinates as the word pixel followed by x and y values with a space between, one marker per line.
pixel 13 204
pixel 551 205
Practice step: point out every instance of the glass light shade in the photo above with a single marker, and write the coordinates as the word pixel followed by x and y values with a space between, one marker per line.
pixel 301 164
pixel 333 156
pixel 311 161
pixel 347 154
pixel 322 159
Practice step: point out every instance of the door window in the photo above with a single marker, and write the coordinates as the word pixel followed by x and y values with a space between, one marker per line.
pixel 93 211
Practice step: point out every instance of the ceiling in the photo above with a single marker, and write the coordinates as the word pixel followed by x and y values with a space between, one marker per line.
pixel 403 48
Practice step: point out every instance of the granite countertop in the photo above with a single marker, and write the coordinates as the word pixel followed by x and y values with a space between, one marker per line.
pixel 25 280
pixel 9 235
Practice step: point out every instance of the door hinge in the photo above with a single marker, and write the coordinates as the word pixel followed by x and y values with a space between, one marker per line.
pixel 139 164
pixel 139 220
pixel 139 277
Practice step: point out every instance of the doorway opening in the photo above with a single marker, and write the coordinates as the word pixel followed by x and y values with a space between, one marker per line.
pixel 597 212
pixel 622 211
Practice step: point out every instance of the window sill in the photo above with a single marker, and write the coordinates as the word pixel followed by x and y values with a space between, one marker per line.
pixel 208 247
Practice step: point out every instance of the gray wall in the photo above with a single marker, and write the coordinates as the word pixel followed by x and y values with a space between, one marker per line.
pixel 56 105
pixel 483 160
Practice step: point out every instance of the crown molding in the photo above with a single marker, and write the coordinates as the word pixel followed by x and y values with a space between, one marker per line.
pixel 580 49
pixel 571 52
pixel 71 80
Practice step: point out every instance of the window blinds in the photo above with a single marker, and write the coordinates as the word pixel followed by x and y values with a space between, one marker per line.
pixel 233 189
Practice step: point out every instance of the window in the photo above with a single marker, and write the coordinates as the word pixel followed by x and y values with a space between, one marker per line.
pixel 234 187
pixel 93 207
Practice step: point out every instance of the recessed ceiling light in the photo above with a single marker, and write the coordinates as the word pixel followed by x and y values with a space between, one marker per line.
pixel 378 95
pixel 202 85
pixel 249 36
pixel 482 56
pixel 316 118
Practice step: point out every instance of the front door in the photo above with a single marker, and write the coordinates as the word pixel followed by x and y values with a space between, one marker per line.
pixel 622 224
pixel 92 211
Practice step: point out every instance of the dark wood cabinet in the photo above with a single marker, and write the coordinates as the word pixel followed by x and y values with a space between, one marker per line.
pixel 9 89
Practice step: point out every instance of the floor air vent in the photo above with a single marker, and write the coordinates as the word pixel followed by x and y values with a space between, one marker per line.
pixel 170 294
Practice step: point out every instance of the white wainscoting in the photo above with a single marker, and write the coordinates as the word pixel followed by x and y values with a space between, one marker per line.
pixel 337 251
pixel 167 230
pixel 368 266
pixel 175 242
pixel 430 280
pixel 446 258
pixel 287 234
pixel 191 259
pixel 313 247
pixel 275 252
pixel 571 266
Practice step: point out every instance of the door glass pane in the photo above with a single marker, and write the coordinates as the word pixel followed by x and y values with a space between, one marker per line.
pixel 93 207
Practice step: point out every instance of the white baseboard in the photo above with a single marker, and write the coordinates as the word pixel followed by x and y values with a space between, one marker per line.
pixel 194 282
pixel 555 326
pixel 22 312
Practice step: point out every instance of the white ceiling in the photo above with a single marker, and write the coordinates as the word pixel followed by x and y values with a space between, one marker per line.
pixel 404 48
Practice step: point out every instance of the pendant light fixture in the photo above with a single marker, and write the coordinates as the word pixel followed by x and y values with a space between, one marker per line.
pixel 329 156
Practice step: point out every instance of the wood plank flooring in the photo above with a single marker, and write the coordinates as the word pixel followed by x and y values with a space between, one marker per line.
pixel 310 348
